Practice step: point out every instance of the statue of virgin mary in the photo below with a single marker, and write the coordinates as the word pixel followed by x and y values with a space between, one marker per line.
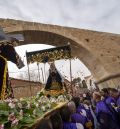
pixel 54 81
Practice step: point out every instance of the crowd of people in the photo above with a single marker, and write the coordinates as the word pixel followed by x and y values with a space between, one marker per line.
pixel 94 110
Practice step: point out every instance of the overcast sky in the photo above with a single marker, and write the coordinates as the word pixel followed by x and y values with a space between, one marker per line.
pixel 99 15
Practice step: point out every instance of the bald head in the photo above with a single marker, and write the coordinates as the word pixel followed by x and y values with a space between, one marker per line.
pixel 72 107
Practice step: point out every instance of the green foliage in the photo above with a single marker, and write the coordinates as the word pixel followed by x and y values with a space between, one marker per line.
pixel 23 113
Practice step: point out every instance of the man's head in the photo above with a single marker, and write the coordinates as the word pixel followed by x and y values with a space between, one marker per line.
pixel 76 100
pixel 114 93
pixel 87 102
pixel 96 96
pixel 104 92
pixel 72 107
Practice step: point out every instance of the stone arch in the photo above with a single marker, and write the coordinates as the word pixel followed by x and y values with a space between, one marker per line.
pixel 99 51
pixel 43 37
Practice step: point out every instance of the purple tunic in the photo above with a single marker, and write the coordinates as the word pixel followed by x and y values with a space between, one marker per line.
pixel 101 107
pixel 88 112
pixel 118 101
pixel 69 125
pixel 105 116
pixel 79 108
pixel 78 118
pixel 88 116
pixel 118 104
pixel 110 100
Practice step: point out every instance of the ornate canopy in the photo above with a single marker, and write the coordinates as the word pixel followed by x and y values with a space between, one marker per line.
pixel 49 55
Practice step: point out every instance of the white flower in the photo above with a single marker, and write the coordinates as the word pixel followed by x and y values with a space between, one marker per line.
pixel 11 105
pixel 11 116
pixel 21 112
pixel 49 105
pixel 53 100
pixel 15 100
pixel 39 100
pixel 14 122
pixel 37 105
pixel 19 105
pixel 43 108
pixel 28 105
pixel 34 112
pixel 44 99
pixel 37 96
pixel 8 100
pixel 60 98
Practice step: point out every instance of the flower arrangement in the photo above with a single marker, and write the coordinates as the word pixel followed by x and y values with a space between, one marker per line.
pixel 23 113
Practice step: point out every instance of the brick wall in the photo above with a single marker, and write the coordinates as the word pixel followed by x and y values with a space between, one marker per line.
pixel 23 88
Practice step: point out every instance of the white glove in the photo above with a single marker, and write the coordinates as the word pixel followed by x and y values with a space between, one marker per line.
pixel 83 112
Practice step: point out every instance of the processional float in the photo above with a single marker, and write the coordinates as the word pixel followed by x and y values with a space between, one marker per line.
pixel 27 113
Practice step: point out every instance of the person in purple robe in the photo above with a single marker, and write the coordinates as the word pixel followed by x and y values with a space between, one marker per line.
pixel 84 111
pixel 87 105
pixel 111 102
pixel 76 117
pixel 66 117
pixel 104 93
pixel 104 115
pixel 80 109
pixel 118 104
pixel 118 107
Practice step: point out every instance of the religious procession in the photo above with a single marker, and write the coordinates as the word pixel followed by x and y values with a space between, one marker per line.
pixel 57 105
